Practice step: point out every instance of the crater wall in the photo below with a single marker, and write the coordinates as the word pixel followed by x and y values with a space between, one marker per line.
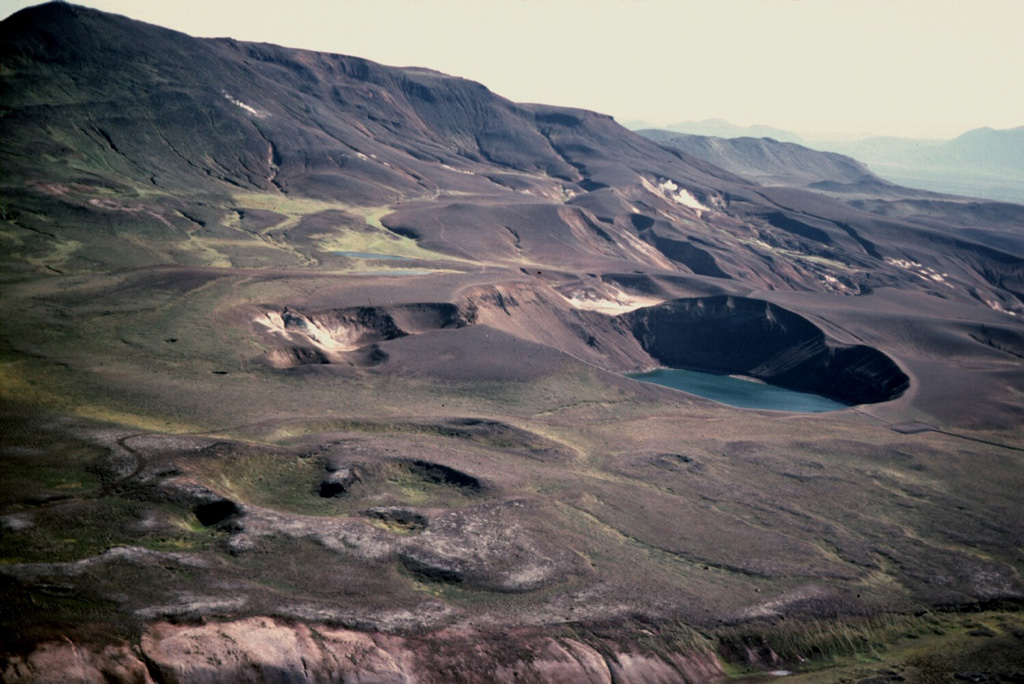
pixel 736 335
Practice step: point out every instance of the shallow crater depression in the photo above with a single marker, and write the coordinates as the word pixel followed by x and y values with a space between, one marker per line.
pixel 348 478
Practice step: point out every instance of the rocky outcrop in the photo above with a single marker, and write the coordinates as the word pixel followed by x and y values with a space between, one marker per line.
pixel 324 337
pixel 65 662
pixel 262 649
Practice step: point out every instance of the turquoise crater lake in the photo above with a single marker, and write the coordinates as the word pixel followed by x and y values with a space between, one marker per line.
pixel 737 392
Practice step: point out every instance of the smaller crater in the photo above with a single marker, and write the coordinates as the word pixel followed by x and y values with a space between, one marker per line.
pixel 339 481
pixel 388 484
pixel 436 473
pixel 672 461
pixel 216 512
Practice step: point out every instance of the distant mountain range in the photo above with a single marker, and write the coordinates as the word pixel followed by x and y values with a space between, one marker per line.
pixel 983 162
pixel 981 147
pixel 769 161
pixel 722 129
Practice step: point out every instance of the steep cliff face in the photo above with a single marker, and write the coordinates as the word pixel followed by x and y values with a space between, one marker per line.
pixel 261 650
pixel 736 335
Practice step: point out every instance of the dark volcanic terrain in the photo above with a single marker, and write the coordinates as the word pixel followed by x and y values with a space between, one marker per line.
pixel 312 370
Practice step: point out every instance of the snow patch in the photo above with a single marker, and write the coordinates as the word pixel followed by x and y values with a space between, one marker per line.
pixel 902 263
pixel 835 284
pixel 452 168
pixel 252 110
pixel 683 196
pixel 615 303
pixel 996 306
pixel 921 271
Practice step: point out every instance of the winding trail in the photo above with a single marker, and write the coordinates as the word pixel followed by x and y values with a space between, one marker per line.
pixel 139 464
pixel 931 428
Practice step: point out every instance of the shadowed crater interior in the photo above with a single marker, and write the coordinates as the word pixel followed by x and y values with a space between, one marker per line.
pixel 736 335
pixel 394 483
pixel 436 473
pixel 215 512
pixel 338 481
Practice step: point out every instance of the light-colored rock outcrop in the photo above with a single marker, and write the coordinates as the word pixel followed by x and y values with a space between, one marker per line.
pixel 262 650
pixel 64 662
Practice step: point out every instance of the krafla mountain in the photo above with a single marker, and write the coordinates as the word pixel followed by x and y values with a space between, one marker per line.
pixel 315 369
pixel 770 162
pixel 983 162
pixel 721 128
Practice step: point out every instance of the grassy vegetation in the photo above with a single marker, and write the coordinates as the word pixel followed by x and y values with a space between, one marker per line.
pixel 929 648
pixel 59 503
pixel 815 500
pixel 290 483
pixel 371 237
pixel 77 530
pixel 39 473
pixel 301 569
pixel 661 638
pixel 759 474
pixel 823 641
pixel 28 613
pixel 144 226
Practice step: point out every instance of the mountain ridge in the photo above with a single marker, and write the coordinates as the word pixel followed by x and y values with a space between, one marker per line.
pixel 721 128
pixel 769 161
pixel 982 162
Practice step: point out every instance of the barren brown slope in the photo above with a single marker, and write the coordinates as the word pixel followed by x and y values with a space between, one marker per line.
pixel 770 161
pixel 329 352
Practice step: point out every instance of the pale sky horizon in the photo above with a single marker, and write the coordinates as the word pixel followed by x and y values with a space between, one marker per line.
pixel 819 68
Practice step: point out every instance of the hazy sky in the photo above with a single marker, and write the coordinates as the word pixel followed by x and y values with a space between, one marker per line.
pixel 926 68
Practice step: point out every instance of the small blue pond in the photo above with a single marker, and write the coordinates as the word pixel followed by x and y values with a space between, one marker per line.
pixel 370 255
pixel 748 394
